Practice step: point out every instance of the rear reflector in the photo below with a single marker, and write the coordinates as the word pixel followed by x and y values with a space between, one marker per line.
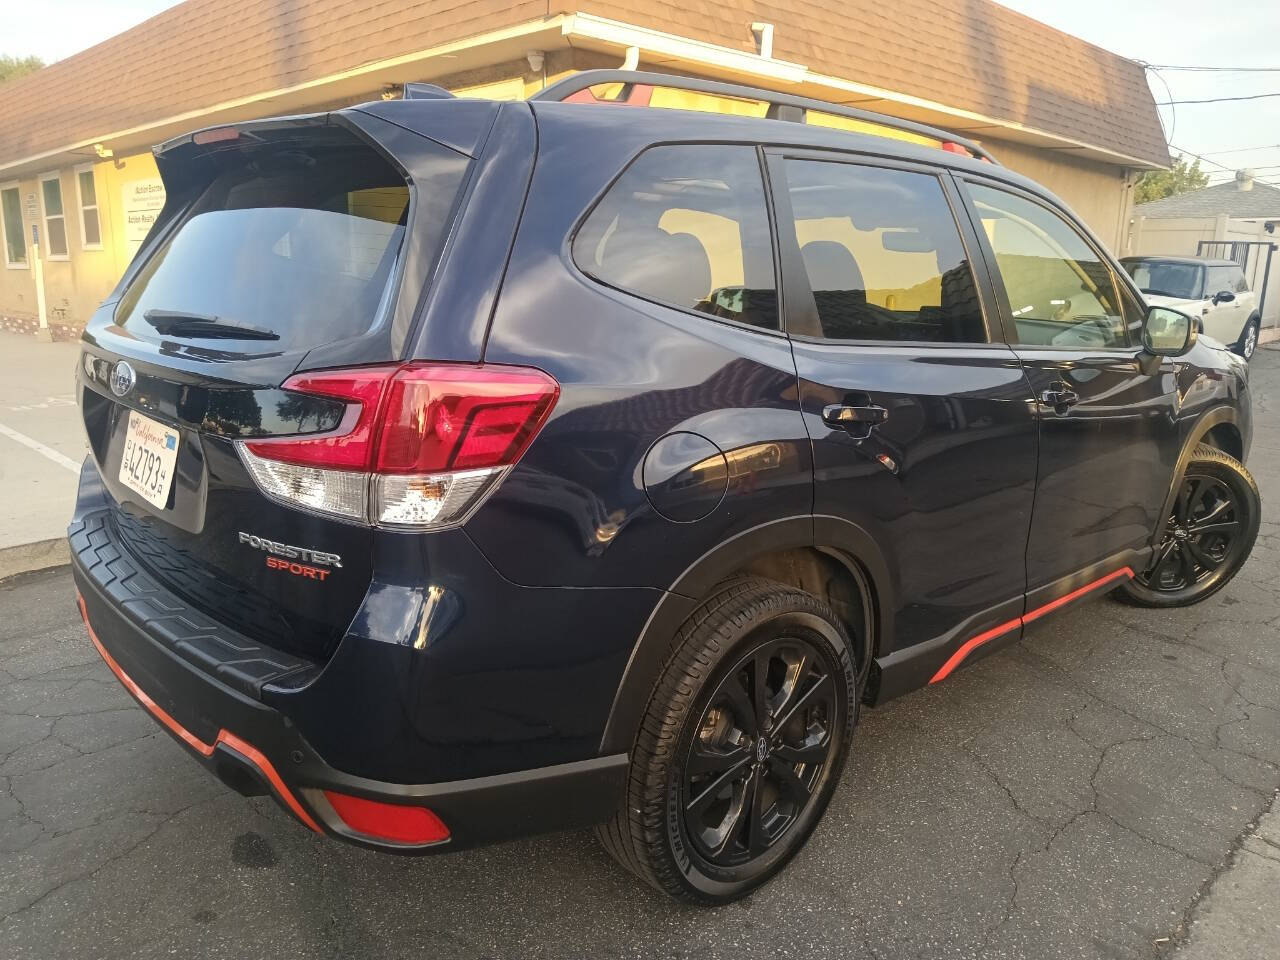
pixel 393 822
pixel 420 446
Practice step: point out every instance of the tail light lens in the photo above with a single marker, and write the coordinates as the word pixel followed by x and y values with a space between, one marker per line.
pixel 421 445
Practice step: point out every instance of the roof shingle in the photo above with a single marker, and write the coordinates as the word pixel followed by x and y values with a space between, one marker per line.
pixel 969 54
pixel 1222 200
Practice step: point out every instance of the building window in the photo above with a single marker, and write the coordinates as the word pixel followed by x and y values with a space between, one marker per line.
pixel 55 222
pixel 90 227
pixel 15 244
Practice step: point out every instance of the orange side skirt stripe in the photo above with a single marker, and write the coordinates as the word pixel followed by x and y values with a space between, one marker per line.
pixel 1124 573
pixel 242 747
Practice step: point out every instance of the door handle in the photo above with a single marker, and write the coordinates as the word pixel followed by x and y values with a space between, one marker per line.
pixel 1059 396
pixel 857 420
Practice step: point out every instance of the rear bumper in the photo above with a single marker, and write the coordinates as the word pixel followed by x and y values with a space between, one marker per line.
pixel 201 688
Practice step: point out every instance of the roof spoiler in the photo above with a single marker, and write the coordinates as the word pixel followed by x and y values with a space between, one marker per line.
pixel 782 106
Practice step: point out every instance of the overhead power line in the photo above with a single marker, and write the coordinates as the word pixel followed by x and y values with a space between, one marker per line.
pixel 1198 69
pixel 1267 146
pixel 1213 163
pixel 1178 103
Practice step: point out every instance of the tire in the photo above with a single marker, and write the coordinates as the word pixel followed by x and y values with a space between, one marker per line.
pixel 1247 345
pixel 1218 498
pixel 665 830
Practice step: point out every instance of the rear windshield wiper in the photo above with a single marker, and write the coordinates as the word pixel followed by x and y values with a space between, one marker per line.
pixel 204 326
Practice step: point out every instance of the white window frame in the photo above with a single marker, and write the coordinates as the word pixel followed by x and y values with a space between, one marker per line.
pixel 26 263
pixel 95 207
pixel 44 216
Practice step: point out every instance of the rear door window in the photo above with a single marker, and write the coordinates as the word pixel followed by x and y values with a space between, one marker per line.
pixel 883 254
pixel 296 241
pixel 686 225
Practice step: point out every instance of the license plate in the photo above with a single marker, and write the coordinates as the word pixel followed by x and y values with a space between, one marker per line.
pixel 150 451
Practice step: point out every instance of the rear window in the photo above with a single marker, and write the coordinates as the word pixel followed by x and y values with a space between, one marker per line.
pixel 298 241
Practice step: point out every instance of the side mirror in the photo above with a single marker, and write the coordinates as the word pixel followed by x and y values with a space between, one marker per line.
pixel 1223 296
pixel 1168 333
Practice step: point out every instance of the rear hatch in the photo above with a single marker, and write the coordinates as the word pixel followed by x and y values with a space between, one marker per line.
pixel 281 248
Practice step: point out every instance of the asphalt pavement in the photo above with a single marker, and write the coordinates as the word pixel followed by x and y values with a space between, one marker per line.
pixel 1098 790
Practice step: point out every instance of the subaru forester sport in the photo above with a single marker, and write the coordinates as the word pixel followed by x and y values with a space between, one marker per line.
pixel 461 470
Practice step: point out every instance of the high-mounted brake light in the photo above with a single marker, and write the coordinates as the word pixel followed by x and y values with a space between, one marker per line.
pixel 420 446
pixel 215 135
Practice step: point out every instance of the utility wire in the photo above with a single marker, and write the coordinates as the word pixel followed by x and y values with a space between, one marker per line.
pixel 1254 96
pixel 1168 66
pixel 1268 146
pixel 1173 112
pixel 1215 163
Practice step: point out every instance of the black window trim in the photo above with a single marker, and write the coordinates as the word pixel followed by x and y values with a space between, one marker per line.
pixel 1085 234
pixel 799 303
pixel 628 296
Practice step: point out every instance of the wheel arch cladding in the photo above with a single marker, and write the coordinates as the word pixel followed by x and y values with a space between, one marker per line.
pixel 1220 424
pixel 831 558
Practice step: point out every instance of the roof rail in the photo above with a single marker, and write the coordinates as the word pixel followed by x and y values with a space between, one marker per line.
pixel 782 106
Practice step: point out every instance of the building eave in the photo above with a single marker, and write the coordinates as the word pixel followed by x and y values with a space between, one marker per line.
pixel 576 30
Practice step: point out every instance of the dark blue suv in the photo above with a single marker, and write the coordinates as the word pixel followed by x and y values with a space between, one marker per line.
pixel 461 470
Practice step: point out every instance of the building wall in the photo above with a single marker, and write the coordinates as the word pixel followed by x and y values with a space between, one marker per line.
pixel 1100 194
pixel 76 284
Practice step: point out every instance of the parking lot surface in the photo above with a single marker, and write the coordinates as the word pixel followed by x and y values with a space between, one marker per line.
pixel 1073 796
pixel 41 439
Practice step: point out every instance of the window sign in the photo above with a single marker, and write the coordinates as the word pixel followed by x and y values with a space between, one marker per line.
pixel 143 200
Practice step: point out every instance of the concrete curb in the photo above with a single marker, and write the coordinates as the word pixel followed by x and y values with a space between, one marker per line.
pixel 1237 917
pixel 34 556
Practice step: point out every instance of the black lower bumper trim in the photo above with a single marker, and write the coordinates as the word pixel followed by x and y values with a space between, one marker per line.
pixel 225 729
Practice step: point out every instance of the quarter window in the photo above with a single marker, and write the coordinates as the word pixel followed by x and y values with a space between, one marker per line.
pixel 686 225
pixel 1060 293
pixel 55 221
pixel 15 243
pixel 90 226
pixel 883 254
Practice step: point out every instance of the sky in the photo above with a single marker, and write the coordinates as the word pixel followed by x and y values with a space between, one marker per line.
pixel 1236 33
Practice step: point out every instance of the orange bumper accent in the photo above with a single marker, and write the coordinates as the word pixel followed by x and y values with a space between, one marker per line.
pixel 247 750
pixel 1124 573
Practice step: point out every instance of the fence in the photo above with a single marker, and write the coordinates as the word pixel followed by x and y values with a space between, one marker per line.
pixel 1254 257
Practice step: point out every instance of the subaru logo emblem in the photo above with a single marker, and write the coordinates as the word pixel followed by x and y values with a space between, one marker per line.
pixel 122 379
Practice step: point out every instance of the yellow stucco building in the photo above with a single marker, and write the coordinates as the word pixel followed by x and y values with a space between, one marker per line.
pixel 78 186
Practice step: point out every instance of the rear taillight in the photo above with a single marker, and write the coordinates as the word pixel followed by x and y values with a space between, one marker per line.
pixel 420 447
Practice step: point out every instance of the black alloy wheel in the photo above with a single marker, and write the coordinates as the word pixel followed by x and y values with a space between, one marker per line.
pixel 1203 531
pixel 1211 530
pixel 762 743
pixel 742 743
